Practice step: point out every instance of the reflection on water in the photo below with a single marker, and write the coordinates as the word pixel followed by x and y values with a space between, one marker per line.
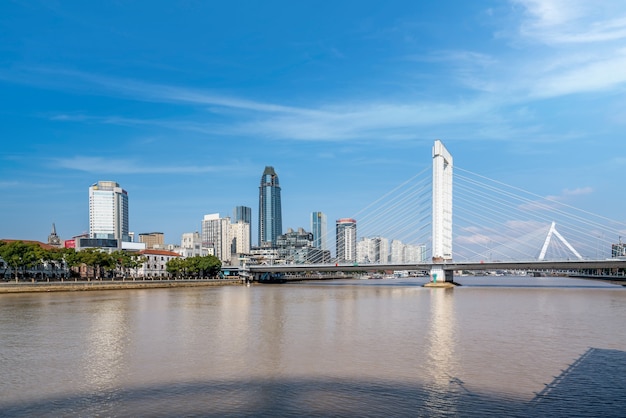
pixel 518 347
pixel 104 345
pixel 441 364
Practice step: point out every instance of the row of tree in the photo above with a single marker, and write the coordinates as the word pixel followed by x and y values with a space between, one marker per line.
pixel 200 267
pixel 22 257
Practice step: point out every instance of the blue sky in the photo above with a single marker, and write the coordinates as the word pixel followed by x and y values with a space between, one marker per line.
pixel 184 104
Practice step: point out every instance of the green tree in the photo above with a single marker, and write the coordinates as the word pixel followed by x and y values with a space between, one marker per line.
pixel 20 256
pixel 203 267
pixel 177 267
pixel 210 266
pixel 97 259
pixel 125 261
pixel 71 258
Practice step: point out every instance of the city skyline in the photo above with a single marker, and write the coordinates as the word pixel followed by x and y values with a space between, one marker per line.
pixel 345 102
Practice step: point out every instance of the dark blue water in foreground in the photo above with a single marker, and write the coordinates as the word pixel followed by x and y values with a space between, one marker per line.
pixel 496 346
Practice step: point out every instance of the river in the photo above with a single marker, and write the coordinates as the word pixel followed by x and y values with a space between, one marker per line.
pixel 495 346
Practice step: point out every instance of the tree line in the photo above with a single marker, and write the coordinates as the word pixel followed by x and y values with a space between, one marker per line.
pixel 21 257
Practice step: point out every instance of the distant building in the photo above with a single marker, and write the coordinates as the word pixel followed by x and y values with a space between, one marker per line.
pixel 191 245
pixel 397 252
pixel 346 239
pixel 244 214
pixel 618 250
pixel 216 236
pixel 240 235
pixel 373 250
pixel 415 253
pixel 153 240
pixel 319 231
pixel 155 264
pixel 270 212
pixel 263 256
pixel 291 242
pixel 407 253
pixel 53 238
pixel 108 211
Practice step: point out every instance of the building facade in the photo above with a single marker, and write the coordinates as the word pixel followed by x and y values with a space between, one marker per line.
pixel 152 240
pixel 407 253
pixel 293 242
pixel 270 211
pixel 155 264
pixel 319 231
pixel 346 239
pixel 373 250
pixel 108 211
pixel 191 245
pixel 216 236
pixel 240 234
pixel 244 214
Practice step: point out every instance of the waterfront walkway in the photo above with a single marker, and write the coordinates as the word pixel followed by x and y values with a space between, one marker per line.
pixel 71 286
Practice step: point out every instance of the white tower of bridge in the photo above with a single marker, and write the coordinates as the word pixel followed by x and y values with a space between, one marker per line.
pixel 442 204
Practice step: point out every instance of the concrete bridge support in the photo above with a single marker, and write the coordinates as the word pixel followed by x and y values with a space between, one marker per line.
pixel 440 277
pixel 441 215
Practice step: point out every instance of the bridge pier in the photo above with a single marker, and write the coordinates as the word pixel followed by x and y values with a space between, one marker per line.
pixel 440 277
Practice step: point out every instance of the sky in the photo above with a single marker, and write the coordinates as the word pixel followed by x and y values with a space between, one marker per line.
pixel 184 103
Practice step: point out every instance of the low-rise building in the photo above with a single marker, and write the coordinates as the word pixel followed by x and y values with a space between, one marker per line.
pixel 155 264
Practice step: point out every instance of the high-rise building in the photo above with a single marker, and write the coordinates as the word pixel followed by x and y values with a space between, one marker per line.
pixel 240 234
pixel 270 213
pixel 346 239
pixel 372 250
pixel 318 228
pixel 216 236
pixel 244 214
pixel 397 252
pixel 108 211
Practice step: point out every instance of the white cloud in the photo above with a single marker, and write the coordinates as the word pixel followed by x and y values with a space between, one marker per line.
pixel 593 76
pixel 573 21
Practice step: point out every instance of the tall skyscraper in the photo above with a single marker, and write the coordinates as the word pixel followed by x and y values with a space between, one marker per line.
pixel 318 228
pixel 108 211
pixel 244 214
pixel 346 239
pixel 270 213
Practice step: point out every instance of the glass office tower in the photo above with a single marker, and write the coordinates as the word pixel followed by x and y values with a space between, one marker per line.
pixel 318 228
pixel 108 211
pixel 270 213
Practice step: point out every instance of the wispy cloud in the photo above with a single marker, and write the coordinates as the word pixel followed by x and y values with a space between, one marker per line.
pixel 9 184
pixel 573 21
pixel 121 166
pixel 493 86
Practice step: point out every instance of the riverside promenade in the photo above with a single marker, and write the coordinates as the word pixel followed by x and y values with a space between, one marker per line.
pixel 73 286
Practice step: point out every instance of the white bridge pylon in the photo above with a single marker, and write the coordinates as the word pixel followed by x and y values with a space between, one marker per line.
pixel 546 243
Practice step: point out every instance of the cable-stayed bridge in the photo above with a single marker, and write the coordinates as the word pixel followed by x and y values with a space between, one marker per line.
pixel 461 220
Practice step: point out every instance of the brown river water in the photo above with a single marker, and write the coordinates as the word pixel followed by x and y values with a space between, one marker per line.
pixel 495 346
